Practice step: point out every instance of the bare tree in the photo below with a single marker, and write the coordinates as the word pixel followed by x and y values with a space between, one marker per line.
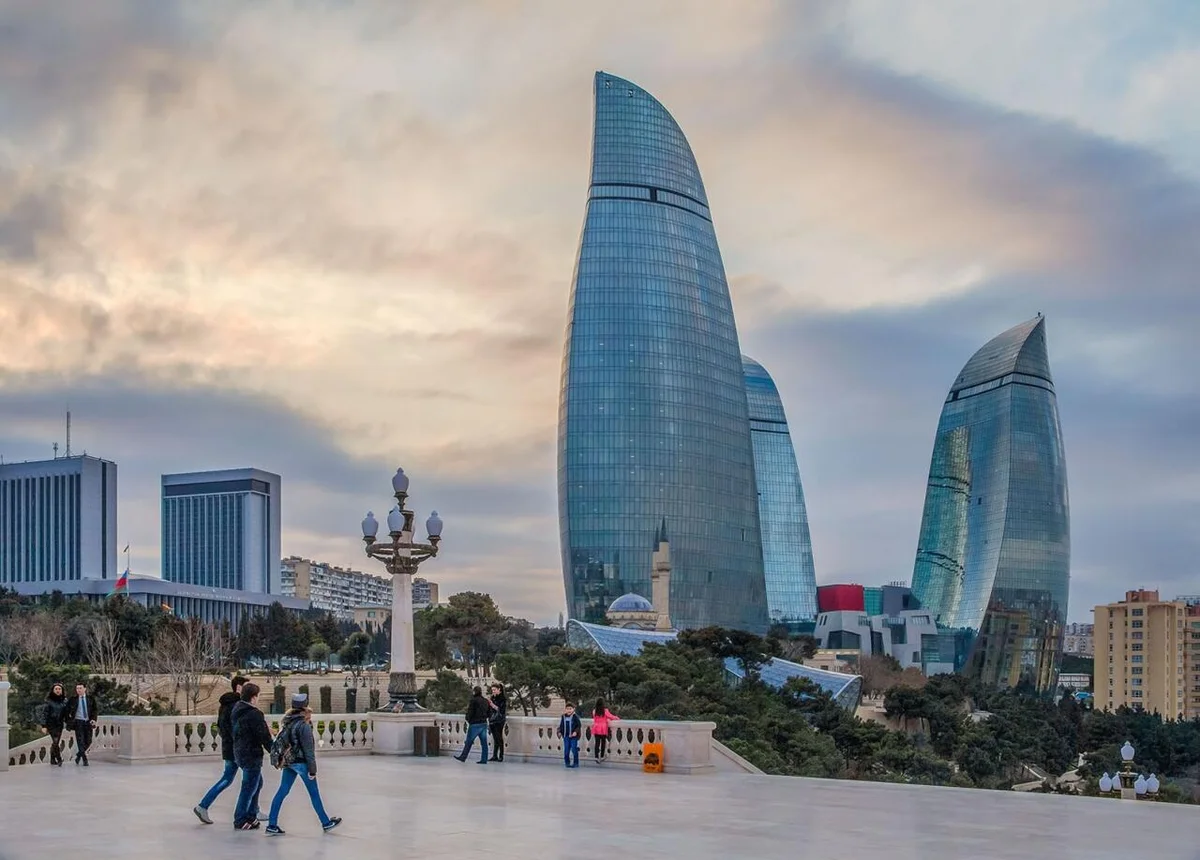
pixel 186 652
pixel 106 652
pixel 37 636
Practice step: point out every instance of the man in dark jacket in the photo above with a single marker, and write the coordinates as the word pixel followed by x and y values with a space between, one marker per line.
pixel 82 713
pixel 497 719
pixel 477 726
pixel 225 729
pixel 251 738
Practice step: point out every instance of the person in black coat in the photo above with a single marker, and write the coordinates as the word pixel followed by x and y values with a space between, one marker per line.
pixel 251 738
pixel 82 714
pixel 497 719
pixel 477 714
pixel 54 720
pixel 225 730
pixel 296 729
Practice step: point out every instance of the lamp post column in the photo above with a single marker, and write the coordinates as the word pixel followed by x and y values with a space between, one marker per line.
pixel 402 682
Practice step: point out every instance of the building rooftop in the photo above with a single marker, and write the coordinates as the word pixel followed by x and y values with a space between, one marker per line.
pixel 438 808
pixel 1021 349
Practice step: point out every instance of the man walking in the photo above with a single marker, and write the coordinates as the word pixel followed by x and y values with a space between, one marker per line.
pixel 251 738
pixel 477 726
pixel 225 729
pixel 83 713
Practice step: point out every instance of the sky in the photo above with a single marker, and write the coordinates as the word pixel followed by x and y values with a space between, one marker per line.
pixel 327 238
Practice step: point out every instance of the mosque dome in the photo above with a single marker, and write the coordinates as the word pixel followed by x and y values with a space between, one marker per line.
pixel 631 603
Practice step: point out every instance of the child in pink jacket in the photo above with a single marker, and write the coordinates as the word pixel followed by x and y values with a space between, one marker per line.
pixel 601 717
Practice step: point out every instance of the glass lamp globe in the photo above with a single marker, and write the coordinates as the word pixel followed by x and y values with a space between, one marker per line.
pixel 1127 752
pixel 433 525
pixel 395 521
pixel 370 525
pixel 1152 784
pixel 1106 782
pixel 400 483
pixel 1140 785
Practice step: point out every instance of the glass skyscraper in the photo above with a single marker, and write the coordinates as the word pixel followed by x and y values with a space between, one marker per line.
pixel 994 553
pixel 653 418
pixel 787 548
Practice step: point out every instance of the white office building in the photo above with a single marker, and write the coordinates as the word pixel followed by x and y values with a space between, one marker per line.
pixel 222 530
pixel 58 523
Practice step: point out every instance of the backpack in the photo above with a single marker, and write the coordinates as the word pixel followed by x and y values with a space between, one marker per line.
pixel 283 754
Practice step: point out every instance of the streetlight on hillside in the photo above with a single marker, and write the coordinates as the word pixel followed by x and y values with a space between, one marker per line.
pixel 401 556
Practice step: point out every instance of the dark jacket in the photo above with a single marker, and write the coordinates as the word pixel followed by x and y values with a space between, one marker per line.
pixel 570 727
pixel 478 710
pixel 251 736
pixel 225 724
pixel 500 713
pixel 93 710
pixel 304 749
pixel 54 713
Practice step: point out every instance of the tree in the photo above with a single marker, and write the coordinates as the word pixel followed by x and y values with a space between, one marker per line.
pixel 326 626
pixel 106 651
pixel 319 652
pixel 354 654
pixel 750 651
pixel 880 672
pixel 525 681
pixel 445 694
pixel 186 653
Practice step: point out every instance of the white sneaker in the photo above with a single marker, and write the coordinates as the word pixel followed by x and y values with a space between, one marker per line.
pixel 202 814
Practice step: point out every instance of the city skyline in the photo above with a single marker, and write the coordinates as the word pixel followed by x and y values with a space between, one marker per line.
pixel 218 247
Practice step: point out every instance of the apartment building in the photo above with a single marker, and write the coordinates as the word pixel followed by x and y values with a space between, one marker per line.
pixel 1078 640
pixel 334 589
pixel 1140 654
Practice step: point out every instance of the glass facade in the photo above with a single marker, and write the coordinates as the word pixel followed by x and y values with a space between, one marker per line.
pixel 653 418
pixel 993 557
pixel 791 579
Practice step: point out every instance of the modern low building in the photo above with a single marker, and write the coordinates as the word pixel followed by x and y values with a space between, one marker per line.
pixel 1143 656
pixel 1078 640
pixel 371 619
pixel 1080 682
pixel 222 529
pixel 902 630
pixel 58 523
pixel 788 567
pixel 994 552
pixel 653 414
pixel 204 603
pixel 337 589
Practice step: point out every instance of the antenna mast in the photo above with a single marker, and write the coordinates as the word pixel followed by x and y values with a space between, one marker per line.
pixel 68 432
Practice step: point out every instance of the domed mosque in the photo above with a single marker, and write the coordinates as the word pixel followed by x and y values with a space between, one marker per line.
pixel 632 611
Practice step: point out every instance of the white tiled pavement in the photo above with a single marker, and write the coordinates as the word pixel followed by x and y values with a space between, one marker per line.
pixel 438 808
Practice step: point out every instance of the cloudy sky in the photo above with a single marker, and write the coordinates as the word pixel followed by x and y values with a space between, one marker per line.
pixel 325 238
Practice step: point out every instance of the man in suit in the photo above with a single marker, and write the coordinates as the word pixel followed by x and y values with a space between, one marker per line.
pixel 81 714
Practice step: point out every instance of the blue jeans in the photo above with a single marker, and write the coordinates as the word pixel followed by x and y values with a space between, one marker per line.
pixel 223 783
pixel 480 731
pixel 289 776
pixel 571 752
pixel 247 802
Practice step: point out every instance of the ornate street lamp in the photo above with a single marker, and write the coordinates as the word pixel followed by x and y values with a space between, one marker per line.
pixel 401 556
pixel 1127 784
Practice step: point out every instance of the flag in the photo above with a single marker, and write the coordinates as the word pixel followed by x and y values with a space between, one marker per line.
pixel 121 583
pixel 166 608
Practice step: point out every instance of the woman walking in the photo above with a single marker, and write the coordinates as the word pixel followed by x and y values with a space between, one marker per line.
pixel 300 761
pixel 496 720
pixel 54 720
pixel 601 717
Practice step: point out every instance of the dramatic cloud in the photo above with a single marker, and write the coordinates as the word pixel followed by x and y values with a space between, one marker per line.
pixel 325 238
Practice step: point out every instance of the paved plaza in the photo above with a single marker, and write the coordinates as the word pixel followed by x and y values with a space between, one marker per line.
pixel 438 808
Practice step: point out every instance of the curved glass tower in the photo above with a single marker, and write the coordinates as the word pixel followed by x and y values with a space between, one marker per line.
pixel 787 548
pixel 652 418
pixel 994 554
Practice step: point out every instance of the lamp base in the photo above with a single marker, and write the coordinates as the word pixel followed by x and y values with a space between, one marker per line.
pixel 402 694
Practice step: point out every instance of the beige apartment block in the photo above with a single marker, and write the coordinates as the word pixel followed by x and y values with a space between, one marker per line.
pixel 1140 656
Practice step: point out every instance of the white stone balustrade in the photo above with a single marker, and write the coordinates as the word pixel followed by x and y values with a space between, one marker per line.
pixel 4 688
pixel 687 747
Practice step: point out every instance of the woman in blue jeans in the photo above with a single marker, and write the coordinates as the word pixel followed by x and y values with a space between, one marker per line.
pixel 298 724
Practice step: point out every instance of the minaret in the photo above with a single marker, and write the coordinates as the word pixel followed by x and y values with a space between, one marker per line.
pixel 660 579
